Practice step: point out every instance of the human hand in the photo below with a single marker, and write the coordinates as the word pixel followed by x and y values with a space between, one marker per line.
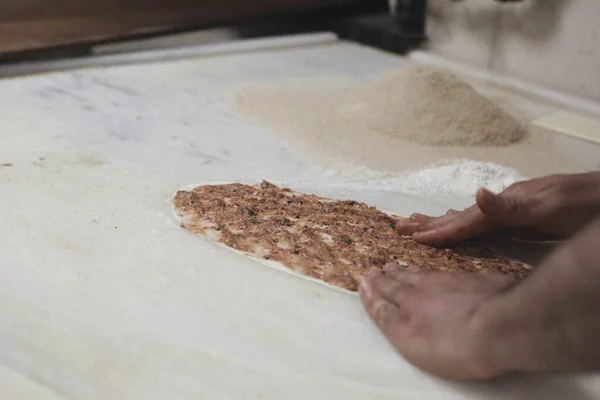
pixel 432 319
pixel 549 208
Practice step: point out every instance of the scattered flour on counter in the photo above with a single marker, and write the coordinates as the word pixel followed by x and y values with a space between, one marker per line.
pixel 461 178
pixel 450 178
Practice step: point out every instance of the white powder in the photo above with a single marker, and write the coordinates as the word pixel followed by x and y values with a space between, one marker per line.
pixel 461 178
pixel 451 178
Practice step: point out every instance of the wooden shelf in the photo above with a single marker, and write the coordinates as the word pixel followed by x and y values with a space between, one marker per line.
pixel 29 25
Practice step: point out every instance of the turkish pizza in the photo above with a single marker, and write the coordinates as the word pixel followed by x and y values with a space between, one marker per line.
pixel 332 241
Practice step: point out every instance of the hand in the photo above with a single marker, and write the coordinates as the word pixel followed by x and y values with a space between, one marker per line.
pixel 549 208
pixel 432 318
pixel 478 326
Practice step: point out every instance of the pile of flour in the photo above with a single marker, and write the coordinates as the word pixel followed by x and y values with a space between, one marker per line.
pixel 406 119
pixel 431 107
pixel 458 178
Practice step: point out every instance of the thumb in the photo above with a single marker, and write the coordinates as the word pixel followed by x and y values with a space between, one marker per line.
pixel 508 210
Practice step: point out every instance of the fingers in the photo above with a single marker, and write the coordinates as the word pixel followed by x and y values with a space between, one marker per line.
pixel 419 218
pixel 417 223
pixel 457 226
pixel 412 224
pixel 507 210
pixel 449 217
pixel 378 284
pixel 382 297
pixel 453 228
pixel 393 283
pixel 410 276
pixel 380 309
pixel 408 228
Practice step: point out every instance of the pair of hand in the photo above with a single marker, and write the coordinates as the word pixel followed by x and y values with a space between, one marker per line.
pixel 440 321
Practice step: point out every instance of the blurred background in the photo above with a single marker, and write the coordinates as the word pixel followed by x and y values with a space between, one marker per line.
pixel 554 43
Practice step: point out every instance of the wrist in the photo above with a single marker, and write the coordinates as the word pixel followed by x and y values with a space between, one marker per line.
pixel 507 336
pixel 493 357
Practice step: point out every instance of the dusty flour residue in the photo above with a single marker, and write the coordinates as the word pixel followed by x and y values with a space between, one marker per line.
pixel 450 178
pixel 321 119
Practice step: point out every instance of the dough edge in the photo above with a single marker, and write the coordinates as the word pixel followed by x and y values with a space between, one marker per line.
pixel 268 263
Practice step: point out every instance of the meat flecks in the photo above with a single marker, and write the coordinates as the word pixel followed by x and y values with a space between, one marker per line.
pixel 336 241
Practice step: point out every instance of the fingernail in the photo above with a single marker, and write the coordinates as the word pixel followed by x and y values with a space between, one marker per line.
pixel 365 289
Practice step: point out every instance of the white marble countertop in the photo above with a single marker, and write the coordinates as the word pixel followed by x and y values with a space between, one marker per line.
pixel 103 296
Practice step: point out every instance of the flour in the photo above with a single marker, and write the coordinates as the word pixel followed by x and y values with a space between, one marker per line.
pixel 451 179
pixel 462 178
pixel 431 107
pixel 329 122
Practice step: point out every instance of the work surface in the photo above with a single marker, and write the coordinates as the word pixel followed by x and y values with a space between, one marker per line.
pixel 104 296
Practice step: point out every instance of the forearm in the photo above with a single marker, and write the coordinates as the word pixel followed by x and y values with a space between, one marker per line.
pixel 550 321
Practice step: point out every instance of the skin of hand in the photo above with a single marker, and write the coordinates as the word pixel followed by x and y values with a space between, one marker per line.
pixel 549 208
pixel 466 326
pixel 431 318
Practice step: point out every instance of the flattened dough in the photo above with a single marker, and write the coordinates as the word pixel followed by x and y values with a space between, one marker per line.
pixel 329 241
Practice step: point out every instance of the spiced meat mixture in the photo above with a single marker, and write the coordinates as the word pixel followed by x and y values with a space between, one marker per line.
pixel 336 241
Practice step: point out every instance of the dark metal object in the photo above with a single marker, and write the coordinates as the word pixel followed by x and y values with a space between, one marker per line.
pixel 398 33
pixel 411 16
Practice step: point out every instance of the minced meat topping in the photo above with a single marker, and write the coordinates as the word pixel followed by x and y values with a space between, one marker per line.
pixel 336 241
